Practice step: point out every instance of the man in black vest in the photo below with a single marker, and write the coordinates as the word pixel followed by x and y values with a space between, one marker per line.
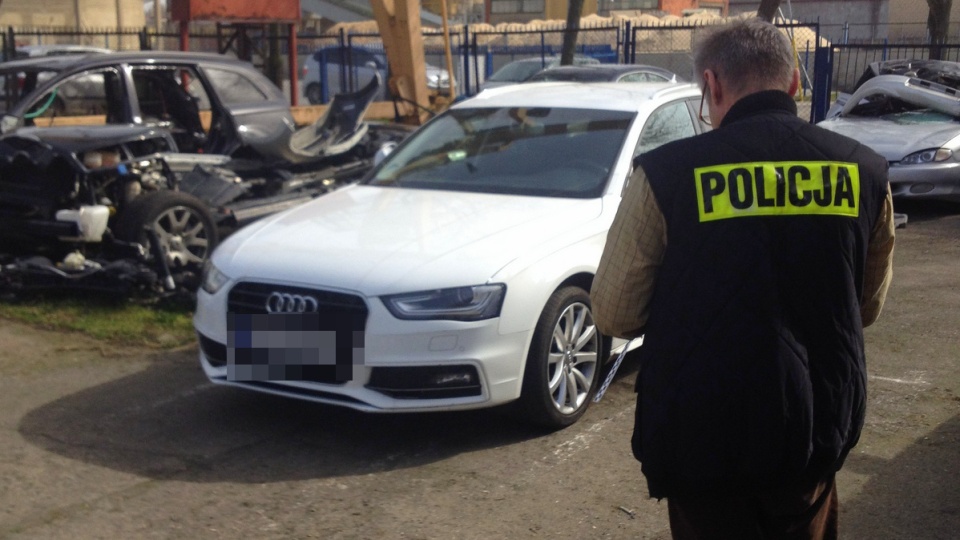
pixel 750 258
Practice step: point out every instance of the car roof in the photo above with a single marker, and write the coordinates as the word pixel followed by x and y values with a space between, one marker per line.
pixel 551 58
pixel 80 62
pixel 610 69
pixel 47 50
pixel 602 95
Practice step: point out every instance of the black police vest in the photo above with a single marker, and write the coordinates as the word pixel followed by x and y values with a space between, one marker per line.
pixel 752 368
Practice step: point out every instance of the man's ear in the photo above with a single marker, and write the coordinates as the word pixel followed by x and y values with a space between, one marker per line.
pixel 713 86
pixel 794 82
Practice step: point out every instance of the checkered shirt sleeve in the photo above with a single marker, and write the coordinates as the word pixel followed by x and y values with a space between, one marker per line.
pixel 631 257
pixel 878 268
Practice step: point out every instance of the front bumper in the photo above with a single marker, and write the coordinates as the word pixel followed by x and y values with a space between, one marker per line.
pixel 405 366
pixel 927 181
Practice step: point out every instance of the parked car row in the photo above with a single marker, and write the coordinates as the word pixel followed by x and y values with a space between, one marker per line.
pixel 454 275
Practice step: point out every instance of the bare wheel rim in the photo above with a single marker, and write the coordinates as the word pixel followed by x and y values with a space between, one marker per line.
pixel 572 360
pixel 183 236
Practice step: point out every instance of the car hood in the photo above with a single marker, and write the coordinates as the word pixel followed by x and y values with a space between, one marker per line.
pixel 378 240
pixel 894 140
pixel 83 138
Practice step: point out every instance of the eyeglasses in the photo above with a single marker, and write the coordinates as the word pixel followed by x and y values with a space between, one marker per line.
pixel 703 94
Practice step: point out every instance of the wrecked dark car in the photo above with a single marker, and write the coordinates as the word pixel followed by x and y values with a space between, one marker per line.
pixel 908 111
pixel 124 170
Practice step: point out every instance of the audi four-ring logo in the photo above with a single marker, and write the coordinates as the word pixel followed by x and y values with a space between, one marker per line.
pixel 279 302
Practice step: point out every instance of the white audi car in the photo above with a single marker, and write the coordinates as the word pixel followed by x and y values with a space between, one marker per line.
pixel 456 275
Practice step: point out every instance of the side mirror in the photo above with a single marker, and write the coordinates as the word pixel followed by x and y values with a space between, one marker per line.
pixel 9 123
pixel 385 150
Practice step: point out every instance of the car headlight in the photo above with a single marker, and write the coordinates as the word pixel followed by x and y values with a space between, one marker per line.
pixel 457 304
pixel 927 156
pixel 213 278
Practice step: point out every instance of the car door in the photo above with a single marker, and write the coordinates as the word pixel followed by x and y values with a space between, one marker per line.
pixel 92 97
pixel 164 99
pixel 245 113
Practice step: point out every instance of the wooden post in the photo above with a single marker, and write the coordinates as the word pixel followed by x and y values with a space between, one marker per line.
pixel 399 23
pixel 446 50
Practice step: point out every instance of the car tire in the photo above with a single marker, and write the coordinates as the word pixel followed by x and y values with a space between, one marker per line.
pixel 183 224
pixel 312 93
pixel 565 355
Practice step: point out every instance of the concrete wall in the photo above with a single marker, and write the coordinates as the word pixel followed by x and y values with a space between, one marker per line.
pixel 908 20
pixel 74 14
pixel 92 13
pixel 866 19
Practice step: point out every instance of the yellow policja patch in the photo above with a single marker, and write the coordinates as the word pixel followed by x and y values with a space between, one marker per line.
pixel 778 188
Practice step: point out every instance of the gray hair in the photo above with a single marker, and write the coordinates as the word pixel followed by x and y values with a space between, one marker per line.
pixel 747 55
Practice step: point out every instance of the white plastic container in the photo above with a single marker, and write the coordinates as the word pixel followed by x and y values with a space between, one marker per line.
pixel 91 220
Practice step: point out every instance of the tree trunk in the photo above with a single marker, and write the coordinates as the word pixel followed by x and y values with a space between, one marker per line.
pixel 768 9
pixel 574 9
pixel 938 25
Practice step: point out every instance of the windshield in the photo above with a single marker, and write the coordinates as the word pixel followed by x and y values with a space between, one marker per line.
pixel 550 75
pixel 517 71
pixel 545 152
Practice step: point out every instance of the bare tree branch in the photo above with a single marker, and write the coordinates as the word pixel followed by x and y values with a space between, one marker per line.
pixel 574 9
pixel 768 9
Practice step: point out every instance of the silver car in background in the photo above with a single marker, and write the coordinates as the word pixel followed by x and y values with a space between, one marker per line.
pixel 908 112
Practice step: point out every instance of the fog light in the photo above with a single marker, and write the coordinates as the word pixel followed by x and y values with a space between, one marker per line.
pixel 454 379
pixel 426 382
pixel 921 187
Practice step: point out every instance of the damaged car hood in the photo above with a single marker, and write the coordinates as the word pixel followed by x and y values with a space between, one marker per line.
pixel 896 136
pixel 83 138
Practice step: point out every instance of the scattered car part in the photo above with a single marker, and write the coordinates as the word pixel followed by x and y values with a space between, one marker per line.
pixel 122 191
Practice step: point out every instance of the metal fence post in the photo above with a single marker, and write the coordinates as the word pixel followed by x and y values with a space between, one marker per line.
pixel 625 56
pixel 465 60
pixel 144 39
pixel 10 44
pixel 822 73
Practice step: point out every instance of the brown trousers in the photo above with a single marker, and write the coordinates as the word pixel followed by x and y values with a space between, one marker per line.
pixel 794 513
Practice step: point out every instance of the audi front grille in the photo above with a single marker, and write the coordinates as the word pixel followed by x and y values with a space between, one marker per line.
pixel 251 299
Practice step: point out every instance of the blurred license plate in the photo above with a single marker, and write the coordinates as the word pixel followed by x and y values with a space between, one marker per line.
pixel 288 347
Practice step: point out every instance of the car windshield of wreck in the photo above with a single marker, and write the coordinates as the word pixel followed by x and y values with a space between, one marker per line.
pixel 541 151
pixel 919 109
pixel 19 83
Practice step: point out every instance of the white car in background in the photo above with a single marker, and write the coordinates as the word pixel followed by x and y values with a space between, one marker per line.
pixel 456 275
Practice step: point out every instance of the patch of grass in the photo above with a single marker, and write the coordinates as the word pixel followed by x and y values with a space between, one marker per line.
pixel 161 325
